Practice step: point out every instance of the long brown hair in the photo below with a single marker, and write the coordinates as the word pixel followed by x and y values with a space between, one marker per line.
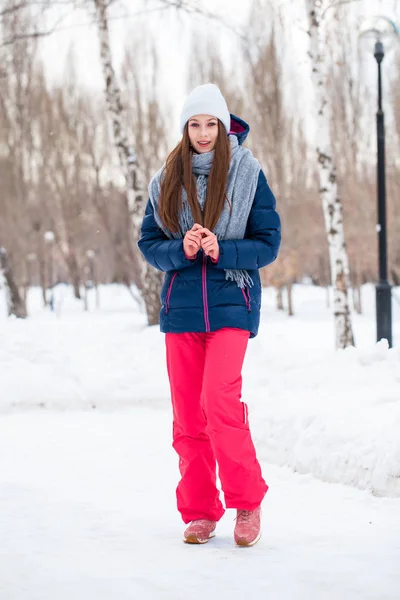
pixel 178 172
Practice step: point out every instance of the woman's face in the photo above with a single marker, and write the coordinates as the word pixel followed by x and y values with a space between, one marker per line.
pixel 203 132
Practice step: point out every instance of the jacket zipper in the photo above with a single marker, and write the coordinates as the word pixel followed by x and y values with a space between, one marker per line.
pixel 167 306
pixel 247 298
pixel 205 299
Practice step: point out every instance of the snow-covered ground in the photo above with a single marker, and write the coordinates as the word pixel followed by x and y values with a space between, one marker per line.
pixel 333 414
pixel 87 512
pixel 87 472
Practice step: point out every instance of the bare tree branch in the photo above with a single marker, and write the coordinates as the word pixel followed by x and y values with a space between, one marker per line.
pixel 191 8
pixel 337 3
pixel 186 6
pixel 11 9
pixel 26 3
pixel 39 33
pixel 145 11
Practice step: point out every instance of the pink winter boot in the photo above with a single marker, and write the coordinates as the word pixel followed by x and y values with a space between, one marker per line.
pixel 248 527
pixel 199 531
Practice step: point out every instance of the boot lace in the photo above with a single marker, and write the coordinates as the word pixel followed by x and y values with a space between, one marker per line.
pixel 244 516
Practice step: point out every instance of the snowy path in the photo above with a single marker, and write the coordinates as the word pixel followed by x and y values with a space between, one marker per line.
pixel 335 415
pixel 87 512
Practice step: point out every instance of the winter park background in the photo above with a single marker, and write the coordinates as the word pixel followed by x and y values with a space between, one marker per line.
pixel 87 472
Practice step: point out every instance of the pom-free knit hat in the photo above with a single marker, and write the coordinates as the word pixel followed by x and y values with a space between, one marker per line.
pixel 206 100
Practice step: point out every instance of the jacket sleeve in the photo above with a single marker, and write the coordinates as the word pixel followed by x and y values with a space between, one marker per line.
pixel 262 239
pixel 162 253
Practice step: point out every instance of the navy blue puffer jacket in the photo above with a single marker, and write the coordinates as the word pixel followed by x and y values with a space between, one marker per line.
pixel 195 296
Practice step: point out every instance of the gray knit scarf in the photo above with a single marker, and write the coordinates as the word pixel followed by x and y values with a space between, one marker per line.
pixel 243 175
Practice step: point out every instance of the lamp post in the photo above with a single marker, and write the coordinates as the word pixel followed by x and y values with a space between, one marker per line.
pixel 375 32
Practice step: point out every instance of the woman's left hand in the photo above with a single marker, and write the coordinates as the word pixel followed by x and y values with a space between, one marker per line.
pixel 209 243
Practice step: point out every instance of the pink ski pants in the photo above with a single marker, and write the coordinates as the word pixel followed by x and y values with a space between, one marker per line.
pixel 210 424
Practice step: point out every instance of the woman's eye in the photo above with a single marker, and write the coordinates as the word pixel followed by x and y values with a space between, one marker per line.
pixel 196 124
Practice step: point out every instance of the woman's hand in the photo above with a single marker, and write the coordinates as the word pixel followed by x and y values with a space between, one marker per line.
pixel 209 243
pixel 192 241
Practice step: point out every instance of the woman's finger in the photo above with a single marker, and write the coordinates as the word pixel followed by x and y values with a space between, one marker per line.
pixel 195 231
pixel 192 236
pixel 209 240
pixel 208 248
pixel 205 231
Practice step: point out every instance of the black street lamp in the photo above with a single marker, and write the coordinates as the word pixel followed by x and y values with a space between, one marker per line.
pixel 380 30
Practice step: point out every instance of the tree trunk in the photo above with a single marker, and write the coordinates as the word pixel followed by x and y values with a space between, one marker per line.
pixel 331 203
pixel 290 299
pixel 15 303
pixel 357 298
pixel 151 297
pixel 42 276
pixel 357 290
pixel 73 269
pixel 279 298
pixel 41 259
pixel 145 277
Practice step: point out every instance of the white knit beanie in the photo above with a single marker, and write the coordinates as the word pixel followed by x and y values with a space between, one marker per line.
pixel 206 100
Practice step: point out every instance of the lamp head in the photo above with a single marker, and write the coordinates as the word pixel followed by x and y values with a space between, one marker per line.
pixel 378 34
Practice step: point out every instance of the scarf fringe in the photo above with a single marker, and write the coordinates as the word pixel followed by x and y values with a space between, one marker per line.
pixel 241 277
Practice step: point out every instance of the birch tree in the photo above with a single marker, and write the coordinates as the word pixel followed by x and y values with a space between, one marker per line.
pixel 328 187
pixel 15 302
pixel 147 279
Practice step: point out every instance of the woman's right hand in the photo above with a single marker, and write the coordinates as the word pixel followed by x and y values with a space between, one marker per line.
pixel 192 241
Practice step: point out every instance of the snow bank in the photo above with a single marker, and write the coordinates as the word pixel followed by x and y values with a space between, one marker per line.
pixel 333 414
pixel 336 416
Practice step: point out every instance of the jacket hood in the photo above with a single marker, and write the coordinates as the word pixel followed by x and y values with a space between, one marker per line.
pixel 239 128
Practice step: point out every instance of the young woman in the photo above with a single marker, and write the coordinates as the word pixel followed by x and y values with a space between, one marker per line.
pixel 211 224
